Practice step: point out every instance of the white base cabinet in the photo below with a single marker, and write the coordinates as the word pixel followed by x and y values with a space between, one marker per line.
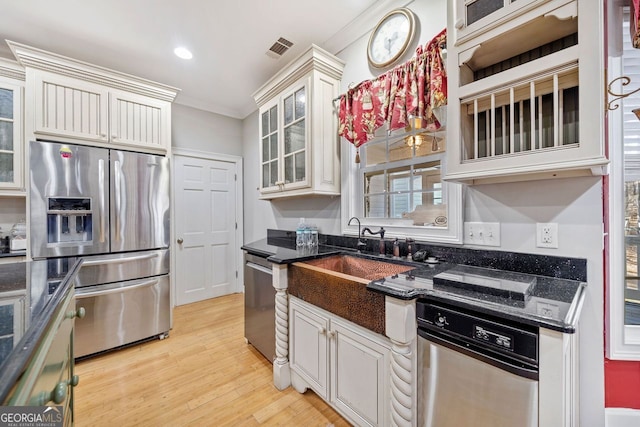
pixel 345 364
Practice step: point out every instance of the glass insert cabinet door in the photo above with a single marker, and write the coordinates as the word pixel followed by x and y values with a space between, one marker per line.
pixel 10 147
pixel 284 142
pixel 269 146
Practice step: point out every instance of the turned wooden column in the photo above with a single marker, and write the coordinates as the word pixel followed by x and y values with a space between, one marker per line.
pixel 400 327
pixel 281 372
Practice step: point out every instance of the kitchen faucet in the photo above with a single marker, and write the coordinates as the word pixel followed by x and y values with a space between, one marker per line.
pixel 360 243
pixel 381 233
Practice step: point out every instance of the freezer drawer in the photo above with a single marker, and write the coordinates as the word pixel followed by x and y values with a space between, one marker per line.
pixel 100 269
pixel 121 313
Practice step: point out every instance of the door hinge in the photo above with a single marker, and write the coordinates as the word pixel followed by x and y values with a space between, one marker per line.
pixel 235 176
pixel 236 225
pixel 236 274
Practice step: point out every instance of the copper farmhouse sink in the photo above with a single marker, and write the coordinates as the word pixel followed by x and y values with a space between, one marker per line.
pixel 362 268
pixel 338 285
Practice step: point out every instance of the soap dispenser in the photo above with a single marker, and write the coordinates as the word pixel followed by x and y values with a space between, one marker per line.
pixel 396 248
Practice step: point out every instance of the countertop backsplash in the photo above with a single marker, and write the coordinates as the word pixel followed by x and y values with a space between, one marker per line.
pixel 543 265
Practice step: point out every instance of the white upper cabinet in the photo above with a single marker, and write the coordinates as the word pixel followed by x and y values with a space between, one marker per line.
pixel 70 108
pixel 298 146
pixel 524 90
pixel 139 120
pixel 86 104
pixel 11 124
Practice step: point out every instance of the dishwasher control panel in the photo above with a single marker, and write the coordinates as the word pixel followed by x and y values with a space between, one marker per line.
pixel 500 335
pixel 485 334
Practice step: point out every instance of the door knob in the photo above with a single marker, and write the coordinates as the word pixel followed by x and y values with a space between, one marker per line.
pixel 180 241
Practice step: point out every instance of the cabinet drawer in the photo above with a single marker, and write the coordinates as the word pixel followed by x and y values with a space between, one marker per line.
pixel 48 378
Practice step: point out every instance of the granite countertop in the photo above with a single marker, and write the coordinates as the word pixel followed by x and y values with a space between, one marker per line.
pixel 549 302
pixel 283 251
pixel 31 293
pixel 7 253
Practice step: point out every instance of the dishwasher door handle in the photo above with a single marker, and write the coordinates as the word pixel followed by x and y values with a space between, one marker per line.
pixel 259 267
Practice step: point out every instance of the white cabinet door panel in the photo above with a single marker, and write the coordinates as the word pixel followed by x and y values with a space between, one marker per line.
pixel 359 372
pixel 139 120
pixel 70 107
pixel 309 347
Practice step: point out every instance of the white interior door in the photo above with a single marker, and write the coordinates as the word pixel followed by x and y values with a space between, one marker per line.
pixel 205 228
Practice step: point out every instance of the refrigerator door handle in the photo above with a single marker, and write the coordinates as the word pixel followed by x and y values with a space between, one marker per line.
pixel 93 262
pixel 103 212
pixel 82 295
pixel 118 200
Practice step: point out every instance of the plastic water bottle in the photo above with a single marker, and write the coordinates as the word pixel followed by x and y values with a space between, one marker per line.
pixel 300 233
pixel 307 235
pixel 313 237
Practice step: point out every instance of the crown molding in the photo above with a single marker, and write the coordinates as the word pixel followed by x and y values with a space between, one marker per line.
pixel 314 58
pixel 30 57
pixel 11 69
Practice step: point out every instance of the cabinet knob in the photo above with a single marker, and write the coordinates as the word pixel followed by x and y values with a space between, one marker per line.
pixel 322 331
pixel 331 334
pixel 79 313
pixel 59 393
pixel 57 396
pixel 74 381
pixel 459 24
pixel 180 240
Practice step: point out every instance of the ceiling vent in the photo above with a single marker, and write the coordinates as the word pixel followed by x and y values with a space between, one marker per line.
pixel 279 48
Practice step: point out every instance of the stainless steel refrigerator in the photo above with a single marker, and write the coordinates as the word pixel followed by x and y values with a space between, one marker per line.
pixel 112 208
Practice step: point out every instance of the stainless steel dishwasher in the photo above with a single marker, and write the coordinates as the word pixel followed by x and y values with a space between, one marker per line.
pixel 475 369
pixel 259 305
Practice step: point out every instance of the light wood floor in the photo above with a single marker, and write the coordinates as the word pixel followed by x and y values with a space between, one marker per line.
pixel 202 375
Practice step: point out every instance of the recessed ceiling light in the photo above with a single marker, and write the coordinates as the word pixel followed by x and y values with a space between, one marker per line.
pixel 183 52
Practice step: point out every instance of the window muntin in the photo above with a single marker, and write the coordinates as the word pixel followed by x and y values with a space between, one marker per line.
pixel 401 178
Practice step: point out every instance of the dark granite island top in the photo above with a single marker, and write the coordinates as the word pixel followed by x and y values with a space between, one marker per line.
pixel 549 302
pixel 30 293
pixel 282 251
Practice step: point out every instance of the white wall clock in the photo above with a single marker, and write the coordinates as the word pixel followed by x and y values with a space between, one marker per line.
pixel 391 37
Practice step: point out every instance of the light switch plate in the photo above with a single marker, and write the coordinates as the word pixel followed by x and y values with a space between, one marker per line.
pixel 482 233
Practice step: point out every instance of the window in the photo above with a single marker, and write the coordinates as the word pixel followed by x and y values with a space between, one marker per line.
pixel 624 198
pixel 398 185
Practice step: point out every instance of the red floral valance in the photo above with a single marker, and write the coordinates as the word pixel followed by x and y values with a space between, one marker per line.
pixel 413 88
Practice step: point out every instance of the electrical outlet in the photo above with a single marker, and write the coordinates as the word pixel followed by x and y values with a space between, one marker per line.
pixel 482 233
pixel 547 235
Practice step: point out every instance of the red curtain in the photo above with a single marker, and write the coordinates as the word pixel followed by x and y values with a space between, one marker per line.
pixel 413 88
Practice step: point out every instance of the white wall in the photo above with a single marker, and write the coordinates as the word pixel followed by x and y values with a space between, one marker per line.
pixel 205 131
pixel 279 214
pixel 12 210
pixel 576 206
pixel 325 211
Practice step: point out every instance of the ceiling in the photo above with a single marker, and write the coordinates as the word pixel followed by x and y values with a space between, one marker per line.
pixel 229 39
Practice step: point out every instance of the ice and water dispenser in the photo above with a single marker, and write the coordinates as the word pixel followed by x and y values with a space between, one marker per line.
pixel 69 220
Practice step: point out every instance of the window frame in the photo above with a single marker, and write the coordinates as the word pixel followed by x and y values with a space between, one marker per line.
pixel 352 203
pixel 623 341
